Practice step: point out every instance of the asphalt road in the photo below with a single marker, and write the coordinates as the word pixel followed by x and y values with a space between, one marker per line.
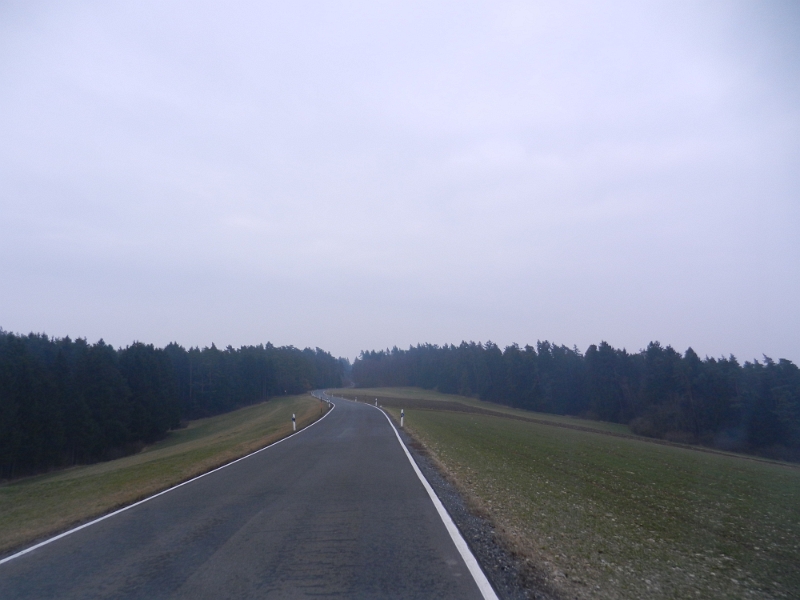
pixel 333 512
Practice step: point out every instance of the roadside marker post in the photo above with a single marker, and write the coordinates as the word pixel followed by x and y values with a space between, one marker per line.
pixel 294 423
pixel 376 402
pixel 402 415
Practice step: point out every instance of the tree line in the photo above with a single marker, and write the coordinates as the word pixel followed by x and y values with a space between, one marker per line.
pixel 65 401
pixel 659 392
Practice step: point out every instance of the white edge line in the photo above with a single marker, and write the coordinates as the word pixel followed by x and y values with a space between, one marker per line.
pixel 466 554
pixel 161 493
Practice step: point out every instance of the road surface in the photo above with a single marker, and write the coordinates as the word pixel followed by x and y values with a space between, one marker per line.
pixel 336 511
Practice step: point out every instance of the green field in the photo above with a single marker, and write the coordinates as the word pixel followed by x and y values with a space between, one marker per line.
pixel 392 396
pixel 602 516
pixel 35 507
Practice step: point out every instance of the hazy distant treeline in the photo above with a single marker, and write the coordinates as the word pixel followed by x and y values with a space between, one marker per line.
pixel 753 407
pixel 66 401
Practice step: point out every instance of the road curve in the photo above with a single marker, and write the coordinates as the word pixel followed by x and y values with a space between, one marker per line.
pixel 336 511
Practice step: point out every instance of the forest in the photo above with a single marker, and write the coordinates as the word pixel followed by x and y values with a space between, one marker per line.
pixel 64 401
pixel 752 407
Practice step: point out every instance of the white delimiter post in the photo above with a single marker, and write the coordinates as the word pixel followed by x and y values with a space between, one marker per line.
pixel 294 423
pixel 402 414
pixel 376 402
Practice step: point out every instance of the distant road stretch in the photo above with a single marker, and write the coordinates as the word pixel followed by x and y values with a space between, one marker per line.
pixel 337 511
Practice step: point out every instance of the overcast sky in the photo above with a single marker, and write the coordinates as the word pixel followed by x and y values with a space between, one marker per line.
pixel 360 175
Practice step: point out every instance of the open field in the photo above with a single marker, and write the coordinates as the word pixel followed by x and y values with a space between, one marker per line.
pixel 416 398
pixel 391 396
pixel 602 516
pixel 35 507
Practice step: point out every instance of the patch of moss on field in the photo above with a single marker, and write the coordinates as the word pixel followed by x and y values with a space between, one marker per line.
pixel 606 517
pixel 39 506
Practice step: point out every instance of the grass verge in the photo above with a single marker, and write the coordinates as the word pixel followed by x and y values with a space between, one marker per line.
pixel 39 506
pixel 607 517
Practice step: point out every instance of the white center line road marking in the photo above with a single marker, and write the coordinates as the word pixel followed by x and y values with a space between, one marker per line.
pixel 175 487
pixel 466 554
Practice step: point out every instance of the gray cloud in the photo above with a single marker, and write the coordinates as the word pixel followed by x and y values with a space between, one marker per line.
pixel 375 174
